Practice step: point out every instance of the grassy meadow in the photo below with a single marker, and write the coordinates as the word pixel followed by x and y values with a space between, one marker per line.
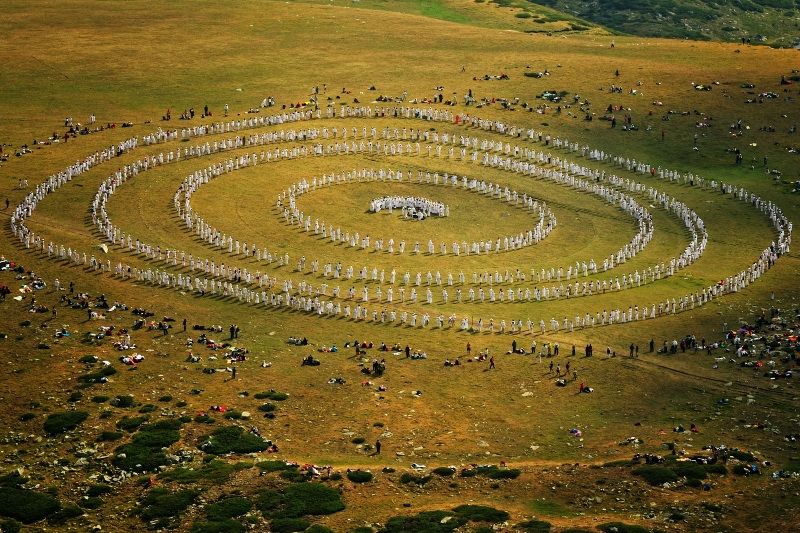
pixel 132 61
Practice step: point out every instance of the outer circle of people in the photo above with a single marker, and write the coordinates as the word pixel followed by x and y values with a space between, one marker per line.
pixel 226 282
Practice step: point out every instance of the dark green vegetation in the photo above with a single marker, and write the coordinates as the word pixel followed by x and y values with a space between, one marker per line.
pixel 727 20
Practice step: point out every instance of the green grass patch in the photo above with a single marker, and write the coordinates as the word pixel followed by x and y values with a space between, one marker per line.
pixel 275 466
pixel 218 526
pixel 57 423
pixel 271 395
pixel 427 521
pixel 108 436
pixel 492 472
pixel 288 525
pixel 302 499
pixel 123 401
pixel 408 477
pixel 131 423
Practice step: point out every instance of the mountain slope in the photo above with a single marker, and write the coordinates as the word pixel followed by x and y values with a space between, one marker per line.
pixel 771 21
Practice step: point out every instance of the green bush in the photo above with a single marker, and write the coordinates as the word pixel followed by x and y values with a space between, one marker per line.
pixel 218 526
pixel 619 527
pixel 138 458
pixel 481 513
pixel 742 456
pixel 61 516
pixel 148 408
pixel 96 377
pixel 689 470
pixel 233 415
pixel 310 499
pixel 10 526
pixel 288 525
pixel 716 468
pixel 318 528
pixel 232 439
pixel 215 471
pixel 109 436
pixel 266 407
pixel 100 399
pixel 203 419
pixel 165 398
pixel 492 472
pixel 275 466
pixel 123 401
pixel 88 359
pixel 501 473
pixel 161 503
pixel 407 478
pixel 228 508
pixel 98 490
pixel 444 471
pixel 295 476
pixel 535 526
pixel 129 424
pixel 64 421
pixel 523 15
pixel 75 396
pixel 427 521
pixel 24 417
pixel 302 499
pixel 25 505
pixel 359 476
pixel 655 474
pixel 358 440
pixel 91 503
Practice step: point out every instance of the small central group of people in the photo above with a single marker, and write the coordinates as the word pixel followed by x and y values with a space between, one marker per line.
pixel 413 207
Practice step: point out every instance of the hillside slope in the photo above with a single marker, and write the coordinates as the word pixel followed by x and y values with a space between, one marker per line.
pixel 771 21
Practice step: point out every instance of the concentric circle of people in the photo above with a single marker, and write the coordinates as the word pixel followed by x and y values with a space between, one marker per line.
pixel 228 282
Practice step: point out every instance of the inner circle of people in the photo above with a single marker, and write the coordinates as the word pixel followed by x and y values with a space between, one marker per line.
pixel 412 207
pixel 261 289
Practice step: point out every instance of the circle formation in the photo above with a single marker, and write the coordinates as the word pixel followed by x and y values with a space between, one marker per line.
pixel 469 276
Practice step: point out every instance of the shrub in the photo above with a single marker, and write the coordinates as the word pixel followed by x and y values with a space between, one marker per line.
pixel 295 476
pixel 266 407
pixel 428 521
pixel 288 525
pixel 535 526
pixel 203 419
pixel 689 470
pixel 275 466
pixel 156 437
pixel 138 458
pixel 24 417
pixel 131 423
pixel 98 490
pixel 233 415
pixel 444 471
pixel 100 399
pixel 97 377
pixel 89 359
pixel 232 439
pixel 228 508
pixel 123 401
pixel 218 526
pixel 64 421
pixel 358 440
pixel 91 503
pixel 407 478
pixel 67 512
pixel 25 505
pixel 214 471
pixel 742 456
pixel 716 468
pixel 310 499
pixel 619 527
pixel 165 398
pixel 523 15
pixel 75 396
pixel 481 513
pixel 359 476
pixel 655 474
pixel 109 436
pixel 318 528
pixel 511 473
pixel 161 503
pixel 149 408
